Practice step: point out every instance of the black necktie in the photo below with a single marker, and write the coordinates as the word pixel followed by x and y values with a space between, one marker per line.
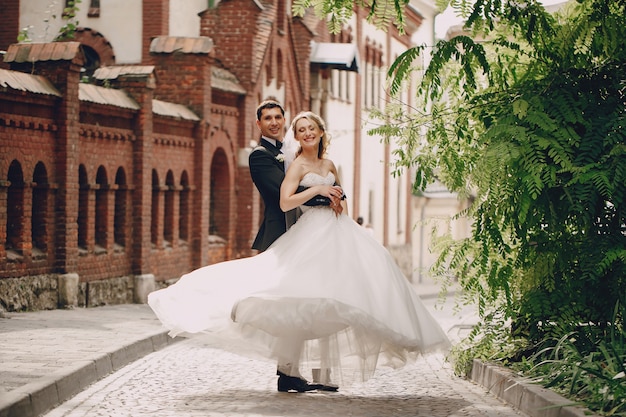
pixel 279 145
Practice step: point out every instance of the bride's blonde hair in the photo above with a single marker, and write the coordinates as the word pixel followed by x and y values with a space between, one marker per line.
pixel 314 118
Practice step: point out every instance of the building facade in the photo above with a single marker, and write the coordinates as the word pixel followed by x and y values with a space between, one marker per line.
pixel 124 150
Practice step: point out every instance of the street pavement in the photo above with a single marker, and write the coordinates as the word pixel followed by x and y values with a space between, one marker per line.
pixel 193 378
pixel 119 361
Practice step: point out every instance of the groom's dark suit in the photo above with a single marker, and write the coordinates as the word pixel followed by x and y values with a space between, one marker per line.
pixel 267 170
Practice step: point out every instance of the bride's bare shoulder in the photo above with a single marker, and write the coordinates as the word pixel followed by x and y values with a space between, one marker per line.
pixel 328 164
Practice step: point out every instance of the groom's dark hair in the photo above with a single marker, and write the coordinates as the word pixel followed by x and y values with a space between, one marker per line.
pixel 268 104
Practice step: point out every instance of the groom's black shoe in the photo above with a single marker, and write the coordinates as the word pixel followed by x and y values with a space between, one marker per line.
pixel 288 383
pixel 332 388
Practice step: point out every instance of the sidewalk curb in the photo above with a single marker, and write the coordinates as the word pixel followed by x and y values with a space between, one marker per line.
pixel 36 398
pixel 531 399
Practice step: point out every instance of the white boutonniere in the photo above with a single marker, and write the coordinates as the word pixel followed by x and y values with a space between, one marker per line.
pixel 280 157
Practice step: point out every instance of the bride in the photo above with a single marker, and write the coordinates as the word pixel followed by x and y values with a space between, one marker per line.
pixel 325 295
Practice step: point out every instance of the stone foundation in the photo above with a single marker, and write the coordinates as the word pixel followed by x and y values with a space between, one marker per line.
pixel 29 293
pixel 144 285
pixel 109 291
pixel 48 292
pixel 68 290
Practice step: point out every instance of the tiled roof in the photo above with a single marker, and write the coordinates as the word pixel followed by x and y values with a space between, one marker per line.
pixel 112 72
pixel 179 111
pixel 110 96
pixel 33 52
pixel 224 80
pixel 187 45
pixel 37 84
pixel 113 97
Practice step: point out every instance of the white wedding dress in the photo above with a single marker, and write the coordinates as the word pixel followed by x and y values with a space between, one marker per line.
pixel 326 285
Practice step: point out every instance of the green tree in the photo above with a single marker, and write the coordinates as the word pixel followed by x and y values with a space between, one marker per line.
pixel 527 115
pixel 537 132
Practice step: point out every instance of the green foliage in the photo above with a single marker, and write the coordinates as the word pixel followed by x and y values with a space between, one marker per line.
pixel 542 149
pixel 488 341
pixel 71 24
pixel 382 13
pixel 24 35
pixel 587 365
pixel 527 117
pixel 66 32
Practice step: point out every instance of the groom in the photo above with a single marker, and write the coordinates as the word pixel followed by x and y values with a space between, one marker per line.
pixel 268 172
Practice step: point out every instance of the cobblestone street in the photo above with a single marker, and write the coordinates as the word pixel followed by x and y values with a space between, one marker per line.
pixel 195 377
pixel 191 378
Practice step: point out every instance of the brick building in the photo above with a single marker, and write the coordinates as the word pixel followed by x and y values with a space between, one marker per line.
pixel 122 170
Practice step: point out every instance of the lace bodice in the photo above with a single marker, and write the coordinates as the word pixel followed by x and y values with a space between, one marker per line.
pixel 312 178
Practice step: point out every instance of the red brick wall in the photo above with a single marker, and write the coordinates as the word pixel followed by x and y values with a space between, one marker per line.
pixel 9 25
pixel 234 27
pixel 29 141
pixel 184 79
pixel 244 202
pixel 67 135
pixel 107 148
pixel 155 22
pixel 102 141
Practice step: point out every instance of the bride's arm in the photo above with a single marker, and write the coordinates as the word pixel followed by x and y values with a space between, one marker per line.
pixel 341 201
pixel 289 198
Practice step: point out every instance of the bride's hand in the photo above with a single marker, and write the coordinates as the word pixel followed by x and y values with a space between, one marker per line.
pixel 331 191
pixel 334 193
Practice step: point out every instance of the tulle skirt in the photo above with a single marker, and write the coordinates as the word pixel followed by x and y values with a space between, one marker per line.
pixel 325 294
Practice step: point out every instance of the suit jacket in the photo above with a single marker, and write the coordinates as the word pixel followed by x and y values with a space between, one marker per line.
pixel 268 172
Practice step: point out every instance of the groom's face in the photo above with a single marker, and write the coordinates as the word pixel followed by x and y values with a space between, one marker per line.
pixel 272 123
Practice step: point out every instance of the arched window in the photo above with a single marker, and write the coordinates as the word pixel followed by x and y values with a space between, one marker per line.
pixel 97 49
pixel 168 209
pixel 183 210
pixel 120 215
pixel 219 214
pixel 279 68
pixel 102 208
pixel 39 211
pixel 366 73
pixel 92 60
pixel 94 8
pixel 83 207
pixel 15 208
pixel 154 223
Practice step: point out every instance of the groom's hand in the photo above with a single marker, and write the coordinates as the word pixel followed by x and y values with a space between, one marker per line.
pixel 320 200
